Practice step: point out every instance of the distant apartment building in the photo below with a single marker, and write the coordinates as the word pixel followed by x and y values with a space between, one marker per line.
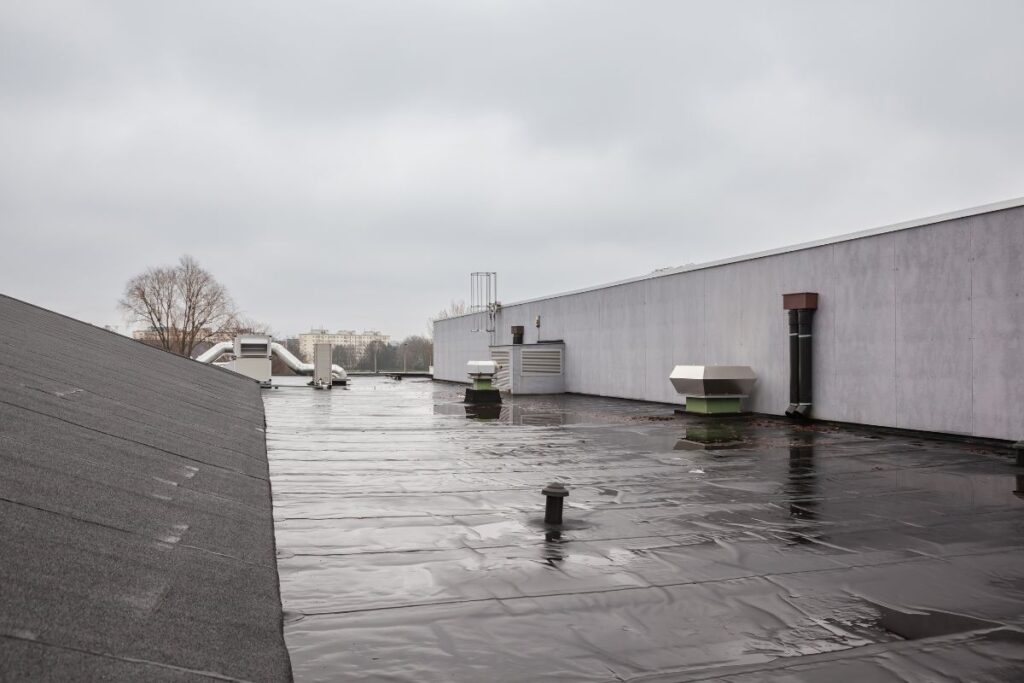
pixel 147 335
pixel 356 340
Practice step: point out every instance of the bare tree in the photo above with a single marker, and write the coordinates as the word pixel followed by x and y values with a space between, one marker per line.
pixel 345 355
pixel 419 353
pixel 246 325
pixel 454 309
pixel 184 305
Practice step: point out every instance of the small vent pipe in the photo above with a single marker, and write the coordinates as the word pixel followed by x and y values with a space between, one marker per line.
pixel 800 309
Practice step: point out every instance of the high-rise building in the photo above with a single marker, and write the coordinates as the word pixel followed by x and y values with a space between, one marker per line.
pixel 356 340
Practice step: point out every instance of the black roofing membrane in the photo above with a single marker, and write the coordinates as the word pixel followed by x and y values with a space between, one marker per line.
pixel 136 532
pixel 411 544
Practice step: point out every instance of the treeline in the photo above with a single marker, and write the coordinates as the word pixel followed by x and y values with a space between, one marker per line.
pixel 412 354
pixel 187 310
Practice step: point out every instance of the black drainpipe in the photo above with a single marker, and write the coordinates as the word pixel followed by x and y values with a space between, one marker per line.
pixel 806 317
pixel 800 309
pixel 794 364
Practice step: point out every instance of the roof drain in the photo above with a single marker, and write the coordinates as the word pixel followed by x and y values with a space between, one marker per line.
pixel 800 309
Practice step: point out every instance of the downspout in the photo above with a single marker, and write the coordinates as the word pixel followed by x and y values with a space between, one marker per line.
pixel 794 364
pixel 806 317
pixel 800 309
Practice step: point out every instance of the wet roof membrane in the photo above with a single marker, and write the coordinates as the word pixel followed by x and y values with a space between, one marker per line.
pixel 411 544
pixel 136 532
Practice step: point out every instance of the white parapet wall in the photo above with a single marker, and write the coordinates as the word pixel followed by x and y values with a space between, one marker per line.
pixel 919 326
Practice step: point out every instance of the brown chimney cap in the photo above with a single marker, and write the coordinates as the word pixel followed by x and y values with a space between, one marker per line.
pixel 800 301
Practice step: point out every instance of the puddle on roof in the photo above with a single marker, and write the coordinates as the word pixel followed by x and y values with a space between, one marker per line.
pixel 411 542
pixel 913 624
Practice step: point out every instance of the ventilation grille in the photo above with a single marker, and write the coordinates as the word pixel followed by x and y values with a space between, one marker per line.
pixel 250 350
pixel 503 378
pixel 542 361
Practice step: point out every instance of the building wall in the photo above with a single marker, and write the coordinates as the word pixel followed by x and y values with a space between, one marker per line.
pixel 917 328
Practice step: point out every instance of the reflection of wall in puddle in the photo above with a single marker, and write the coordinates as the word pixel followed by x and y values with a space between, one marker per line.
pixel 515 415
pixel 972 490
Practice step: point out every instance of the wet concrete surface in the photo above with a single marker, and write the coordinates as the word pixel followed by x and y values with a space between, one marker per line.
pixel 412 546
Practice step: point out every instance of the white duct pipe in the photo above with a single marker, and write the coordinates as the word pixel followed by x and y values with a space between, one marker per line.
pixel 303 368
pixel 215 352
pixel 219 349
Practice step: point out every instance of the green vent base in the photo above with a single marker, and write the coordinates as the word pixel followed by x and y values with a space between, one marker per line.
pixel 712 406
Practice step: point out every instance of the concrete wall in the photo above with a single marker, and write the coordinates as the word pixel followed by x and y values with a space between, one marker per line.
pixel 918 327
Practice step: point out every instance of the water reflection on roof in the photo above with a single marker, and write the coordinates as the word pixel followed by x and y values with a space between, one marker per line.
pixel 412 545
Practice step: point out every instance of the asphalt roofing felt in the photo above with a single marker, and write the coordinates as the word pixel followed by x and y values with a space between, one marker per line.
pixel 411 544
pixel 136 530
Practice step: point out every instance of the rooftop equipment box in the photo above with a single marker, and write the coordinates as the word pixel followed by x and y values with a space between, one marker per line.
pixel 252 346
pixel 256 368
pixel 252 357
pixel 530 368
pixel 322 357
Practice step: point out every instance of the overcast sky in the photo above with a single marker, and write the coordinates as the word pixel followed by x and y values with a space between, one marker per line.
pixel 348 164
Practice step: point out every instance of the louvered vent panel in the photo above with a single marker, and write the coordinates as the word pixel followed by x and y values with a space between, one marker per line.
pixel 503 378
pixel 253 350
pixel 542 361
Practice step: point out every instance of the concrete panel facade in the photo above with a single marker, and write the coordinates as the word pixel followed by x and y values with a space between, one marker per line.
pixel 997 323
pixel 865 329
pixel 933 329
pixel 919 326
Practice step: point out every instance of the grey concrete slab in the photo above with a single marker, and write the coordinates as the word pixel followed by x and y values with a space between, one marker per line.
pixel 135 511
pixel 997 323
pixel 934 379
pixel 865 330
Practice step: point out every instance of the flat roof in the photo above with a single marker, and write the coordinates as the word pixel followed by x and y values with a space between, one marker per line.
pixel 871 232
pixel 412 544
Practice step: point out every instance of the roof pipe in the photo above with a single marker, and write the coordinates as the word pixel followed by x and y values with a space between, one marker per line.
pixel 800 308
pixel 794 364
pixel 302 368
pixel 216 351
pixel 805 319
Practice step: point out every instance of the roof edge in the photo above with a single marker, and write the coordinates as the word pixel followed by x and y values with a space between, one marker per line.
pixel 847 237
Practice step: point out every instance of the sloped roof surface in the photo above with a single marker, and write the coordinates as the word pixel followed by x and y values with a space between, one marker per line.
pixel 135 511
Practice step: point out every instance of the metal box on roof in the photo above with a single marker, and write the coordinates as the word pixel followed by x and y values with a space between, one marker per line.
pixel 530 368
pixel 708 381
pixel 252 346
pixel 322 364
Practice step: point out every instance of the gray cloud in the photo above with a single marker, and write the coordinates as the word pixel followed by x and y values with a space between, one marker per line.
pixel 349 164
